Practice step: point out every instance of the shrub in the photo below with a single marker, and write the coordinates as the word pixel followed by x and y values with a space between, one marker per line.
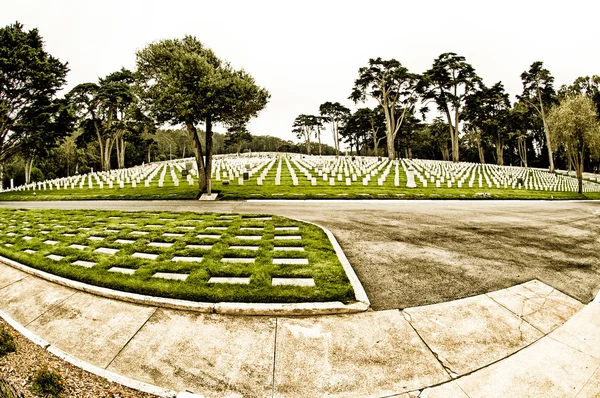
pixel 8 391
pixel 47 381
pixel 36 175
pixel 7 342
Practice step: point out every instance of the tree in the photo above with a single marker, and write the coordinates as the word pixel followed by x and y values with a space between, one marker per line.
pixel 368 124
pixel 520 124
pixel 393 87
pixel 589 86
pixel 236 136
pixel 29 79
pixel 448 83
pixel 574 124
pixel 303 127
pixel 115 94
pixel 43 128
pixel 487 111
pixel 439 133
pixel 334 113
pixel 183 82
pixel 538 93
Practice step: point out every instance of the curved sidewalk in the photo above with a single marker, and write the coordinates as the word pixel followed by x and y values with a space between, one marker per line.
pixel 510 342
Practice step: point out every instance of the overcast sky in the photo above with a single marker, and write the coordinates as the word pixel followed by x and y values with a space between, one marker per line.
pixel 308 52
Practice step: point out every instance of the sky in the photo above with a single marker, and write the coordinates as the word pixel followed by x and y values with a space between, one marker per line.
pixel 309 52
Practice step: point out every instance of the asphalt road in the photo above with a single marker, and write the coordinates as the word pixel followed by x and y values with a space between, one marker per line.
pixel 411 253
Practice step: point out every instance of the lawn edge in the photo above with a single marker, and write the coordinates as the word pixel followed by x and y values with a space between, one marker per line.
pixel 226 308
pixel 88 367
pixel 359 291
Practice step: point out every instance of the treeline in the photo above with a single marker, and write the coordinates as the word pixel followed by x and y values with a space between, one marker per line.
pixel 116 121
pixel 448 113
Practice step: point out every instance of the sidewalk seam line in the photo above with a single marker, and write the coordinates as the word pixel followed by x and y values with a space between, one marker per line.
pixel 446 369
pixel 55 305
pixel 519 317
pixel 573 348
pixel 131 338
pixel 274 356
pixel 12 283
pixel 587 382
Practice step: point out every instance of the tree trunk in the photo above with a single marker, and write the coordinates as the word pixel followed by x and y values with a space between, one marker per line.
pixel 445 151
pixel 307 133
pixel 375 142
pixel 336 139
pixel 100 144
pixel 209 152
pixel 28 167
pixel 122 153
pixel 319 137
pixel 198 154
pixel 522 145
pixel 546 131
pixel 390 149
pixel 1 177
pixel 107 152
pixel 579 171
pixel 500 152
pixel 26 171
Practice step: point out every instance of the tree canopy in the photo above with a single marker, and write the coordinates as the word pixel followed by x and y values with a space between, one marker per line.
pixel 183 82
pixel 574 125
pixel 29 80
pixel 448 83
pixel 393 87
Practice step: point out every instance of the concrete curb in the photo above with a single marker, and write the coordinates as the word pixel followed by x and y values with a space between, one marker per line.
pixel 597 299
pixel 225 308
pixel 88 367
pixel 359 291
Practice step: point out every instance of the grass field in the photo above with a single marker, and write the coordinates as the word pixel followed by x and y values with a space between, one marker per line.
pixel 191 245
pixel 304 190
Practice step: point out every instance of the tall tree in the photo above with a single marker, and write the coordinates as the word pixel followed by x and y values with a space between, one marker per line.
pixel 29 78
pixel 334 113
pixel 304 127
pixel 438 129
pixel 116 96
pixel 589 86
pixel 42 129
pixel 368 124
pixel 539 94
pixel 183 82
pixel 487 111
pixel 448 83
pixel 237 135
pixel 393 87
pixel 520 124
pixel 574 124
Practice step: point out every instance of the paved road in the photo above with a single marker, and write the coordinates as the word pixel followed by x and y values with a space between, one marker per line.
pixel 412 253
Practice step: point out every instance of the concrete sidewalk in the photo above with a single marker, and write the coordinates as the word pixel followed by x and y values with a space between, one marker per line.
pixel 505 343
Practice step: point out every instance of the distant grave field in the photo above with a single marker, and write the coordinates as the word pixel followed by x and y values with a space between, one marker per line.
pixel 295 176
pixel 205 257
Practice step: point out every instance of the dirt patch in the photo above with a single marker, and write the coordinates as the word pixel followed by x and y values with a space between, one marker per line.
pixel 16 368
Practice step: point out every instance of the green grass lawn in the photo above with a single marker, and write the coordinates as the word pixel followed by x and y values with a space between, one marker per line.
pixel 304 190
pixel 27 236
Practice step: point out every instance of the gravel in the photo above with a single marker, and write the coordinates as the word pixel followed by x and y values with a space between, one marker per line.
pixel 16 368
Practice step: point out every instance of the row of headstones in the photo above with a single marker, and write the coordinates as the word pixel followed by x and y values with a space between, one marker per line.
pixel 113 178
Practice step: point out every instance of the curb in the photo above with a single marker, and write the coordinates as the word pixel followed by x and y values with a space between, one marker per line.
pixel 224 308
pixel 95 370
pixel 359 291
